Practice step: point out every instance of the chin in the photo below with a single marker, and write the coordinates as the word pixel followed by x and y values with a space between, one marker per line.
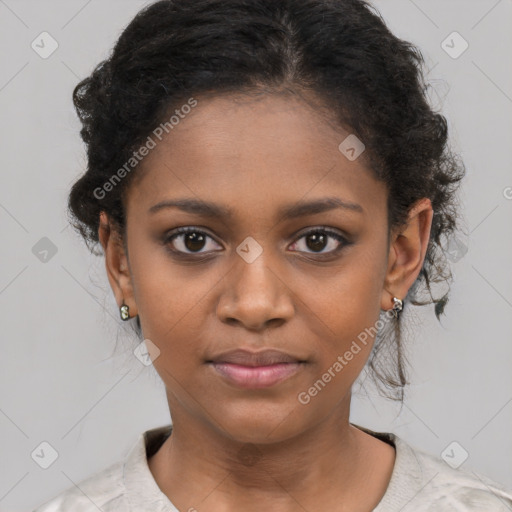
pixel 259 424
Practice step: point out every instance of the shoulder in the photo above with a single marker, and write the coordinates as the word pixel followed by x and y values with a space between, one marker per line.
pixel 426 483
pixel 125 485
pixel 102 491
pixel 422 482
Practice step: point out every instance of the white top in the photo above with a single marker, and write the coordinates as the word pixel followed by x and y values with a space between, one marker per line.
pixel 419 483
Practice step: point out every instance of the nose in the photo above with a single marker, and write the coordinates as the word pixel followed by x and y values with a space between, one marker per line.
pixel 255 296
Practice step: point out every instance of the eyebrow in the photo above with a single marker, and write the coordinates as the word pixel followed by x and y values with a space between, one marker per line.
pixel 209 209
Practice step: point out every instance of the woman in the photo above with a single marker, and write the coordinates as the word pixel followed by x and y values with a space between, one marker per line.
pixel 270 189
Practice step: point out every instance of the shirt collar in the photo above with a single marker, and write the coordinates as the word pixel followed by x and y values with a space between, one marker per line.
pixel 142 491
pixel 407 476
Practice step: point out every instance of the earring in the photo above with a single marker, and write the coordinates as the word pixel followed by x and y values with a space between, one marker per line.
pixel 397 307
pixel 124 311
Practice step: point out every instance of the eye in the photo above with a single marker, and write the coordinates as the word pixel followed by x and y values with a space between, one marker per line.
pixel 318 239
pixel 189 240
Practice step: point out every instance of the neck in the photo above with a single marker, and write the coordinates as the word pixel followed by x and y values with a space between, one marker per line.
pixel 200 466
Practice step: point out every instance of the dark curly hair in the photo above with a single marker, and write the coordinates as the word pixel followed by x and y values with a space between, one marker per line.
pixel 338 50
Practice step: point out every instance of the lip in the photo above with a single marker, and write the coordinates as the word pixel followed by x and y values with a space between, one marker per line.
pixel 256 377
pixel 256 370
pixel 249 358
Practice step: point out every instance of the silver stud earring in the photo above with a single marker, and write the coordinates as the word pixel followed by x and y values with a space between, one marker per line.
pixel 124 311
pixel 397 307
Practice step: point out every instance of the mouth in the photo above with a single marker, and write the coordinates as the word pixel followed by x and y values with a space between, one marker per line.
pixel 255 370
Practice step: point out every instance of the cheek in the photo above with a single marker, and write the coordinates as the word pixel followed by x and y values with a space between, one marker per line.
pixel 170 301
pixel 343 314
pixel 337 305
pixel 343 300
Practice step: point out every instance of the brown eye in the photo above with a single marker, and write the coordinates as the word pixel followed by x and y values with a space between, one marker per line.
pixel 189 240
pixel 193 241
pixel 315 241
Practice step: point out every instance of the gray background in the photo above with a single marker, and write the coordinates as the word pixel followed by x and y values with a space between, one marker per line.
pixel 61 380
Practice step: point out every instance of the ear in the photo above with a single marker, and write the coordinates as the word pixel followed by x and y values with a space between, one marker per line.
pixel 117 264
pixel 407 250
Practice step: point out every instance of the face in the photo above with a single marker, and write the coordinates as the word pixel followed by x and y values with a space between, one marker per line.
pixel 291 255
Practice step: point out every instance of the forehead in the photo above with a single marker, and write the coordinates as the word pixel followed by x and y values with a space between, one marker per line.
pixel 247 151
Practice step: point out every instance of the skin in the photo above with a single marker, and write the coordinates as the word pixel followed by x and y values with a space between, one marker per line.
pixel 246 449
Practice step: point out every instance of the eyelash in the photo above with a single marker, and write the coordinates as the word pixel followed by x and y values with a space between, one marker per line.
pixel 190 229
